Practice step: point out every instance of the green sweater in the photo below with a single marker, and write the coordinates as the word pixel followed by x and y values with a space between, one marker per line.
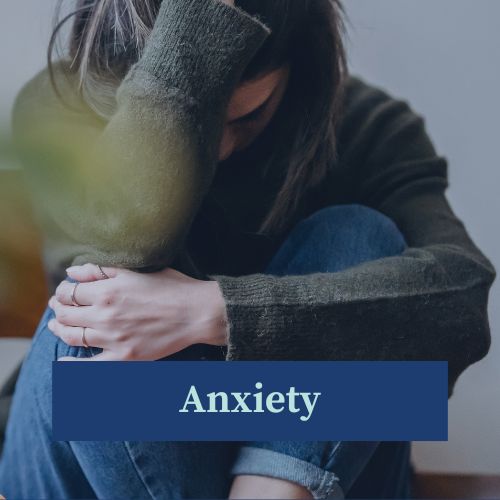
pixel 145 188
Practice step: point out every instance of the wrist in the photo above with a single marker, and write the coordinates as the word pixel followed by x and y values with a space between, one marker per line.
pixel 218 332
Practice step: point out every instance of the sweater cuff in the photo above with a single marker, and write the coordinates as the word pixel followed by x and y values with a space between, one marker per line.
pixel 251 319
pixel 201 47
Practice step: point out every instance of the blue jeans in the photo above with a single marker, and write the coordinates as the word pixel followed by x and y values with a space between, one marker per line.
pixel 34 466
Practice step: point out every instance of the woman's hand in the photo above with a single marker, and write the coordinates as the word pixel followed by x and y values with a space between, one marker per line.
pixel 134 316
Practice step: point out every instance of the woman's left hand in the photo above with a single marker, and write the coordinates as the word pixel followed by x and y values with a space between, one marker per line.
pixel 136 317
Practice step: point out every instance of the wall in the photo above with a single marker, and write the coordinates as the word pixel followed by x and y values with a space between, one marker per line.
pixel 441 55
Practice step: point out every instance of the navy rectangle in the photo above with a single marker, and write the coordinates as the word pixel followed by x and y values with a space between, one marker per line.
pixel 359 401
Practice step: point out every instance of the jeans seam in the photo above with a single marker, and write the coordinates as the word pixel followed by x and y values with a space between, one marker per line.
pixel 338 444
pixel 136 469
pixel 47 415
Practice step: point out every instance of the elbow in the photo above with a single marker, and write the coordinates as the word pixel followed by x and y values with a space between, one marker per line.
pixel 469 310
pixel 473 341
pixel 475 303
pixel 136 248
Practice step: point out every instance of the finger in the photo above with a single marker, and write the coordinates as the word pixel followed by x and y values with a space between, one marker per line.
pixel 103 356
pixel 85 294
pixel 74 316
pixel 91 272
pixel 73 335
pixel 52 302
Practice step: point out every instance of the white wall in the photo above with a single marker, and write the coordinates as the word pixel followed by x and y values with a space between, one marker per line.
pixel 443 56
pixel 24 34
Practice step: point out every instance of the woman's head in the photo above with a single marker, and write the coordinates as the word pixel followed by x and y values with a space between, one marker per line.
pixel 251 108
pixel 294 81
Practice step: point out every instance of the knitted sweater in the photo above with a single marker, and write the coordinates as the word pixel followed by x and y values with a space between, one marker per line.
pixel 144 188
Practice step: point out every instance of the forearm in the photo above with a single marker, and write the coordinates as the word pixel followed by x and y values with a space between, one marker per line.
pixel 125 192
pixel 427 304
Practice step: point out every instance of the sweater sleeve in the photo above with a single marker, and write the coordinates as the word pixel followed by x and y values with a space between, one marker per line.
pixel 124 191
pixel 430 303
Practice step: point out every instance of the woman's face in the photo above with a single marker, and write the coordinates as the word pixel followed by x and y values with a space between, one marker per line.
pixel 251 108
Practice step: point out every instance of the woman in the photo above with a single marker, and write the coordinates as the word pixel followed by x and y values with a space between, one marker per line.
pixel 303 211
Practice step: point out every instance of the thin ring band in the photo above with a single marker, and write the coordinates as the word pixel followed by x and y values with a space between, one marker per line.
pixel 73 295
pixel 103 274
pixel 84 341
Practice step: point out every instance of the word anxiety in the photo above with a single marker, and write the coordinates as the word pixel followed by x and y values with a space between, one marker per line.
pixel 246 402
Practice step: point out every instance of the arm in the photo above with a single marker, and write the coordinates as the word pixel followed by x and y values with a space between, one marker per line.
pixel 428 304
pixel 125 192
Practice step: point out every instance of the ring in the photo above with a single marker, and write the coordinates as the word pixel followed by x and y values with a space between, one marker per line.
pixel 103 274
pixel 84 341
pixel 73 297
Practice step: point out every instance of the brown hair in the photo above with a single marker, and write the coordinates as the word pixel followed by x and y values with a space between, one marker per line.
pixel 108 37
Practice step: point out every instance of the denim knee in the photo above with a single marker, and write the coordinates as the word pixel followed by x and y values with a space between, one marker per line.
pixel 369 228
pixel 336 238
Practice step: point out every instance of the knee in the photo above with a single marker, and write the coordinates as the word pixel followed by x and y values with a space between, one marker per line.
pixel 336 238
pixel 349 215
pixel 357 226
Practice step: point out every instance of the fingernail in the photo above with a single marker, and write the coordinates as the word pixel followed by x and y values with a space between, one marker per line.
pixel 50 325
pixel 71 269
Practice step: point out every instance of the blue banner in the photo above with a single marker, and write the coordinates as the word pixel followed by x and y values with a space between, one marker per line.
pixel 254 400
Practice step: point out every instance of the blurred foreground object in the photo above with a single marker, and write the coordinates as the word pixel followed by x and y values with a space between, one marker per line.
pixel 452 486
pixel 23 290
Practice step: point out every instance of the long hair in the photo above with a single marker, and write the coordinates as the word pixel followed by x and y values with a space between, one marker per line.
pixel 108 37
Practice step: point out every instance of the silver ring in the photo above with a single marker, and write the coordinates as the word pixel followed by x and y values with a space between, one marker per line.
pixel 73 296
pixel 84 341
pixel 103 274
